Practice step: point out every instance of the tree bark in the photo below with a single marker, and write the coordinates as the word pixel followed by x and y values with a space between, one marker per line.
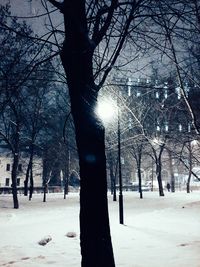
pixel 14 180
pixel 159 178
pixel 96 246
pixel 66 182
pixel 140 181
pixel 26 181
pixel 31 182
pixel 15 162
pixel 158 162
pixel 45 188
pixel 138 161
pixel 28 171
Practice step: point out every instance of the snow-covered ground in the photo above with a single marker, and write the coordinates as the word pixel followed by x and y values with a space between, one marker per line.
pixel 158 231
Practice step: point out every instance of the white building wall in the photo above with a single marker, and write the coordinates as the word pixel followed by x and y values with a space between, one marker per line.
pixel 6 168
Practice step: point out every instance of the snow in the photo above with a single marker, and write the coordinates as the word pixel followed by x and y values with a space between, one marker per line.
pixel 158 231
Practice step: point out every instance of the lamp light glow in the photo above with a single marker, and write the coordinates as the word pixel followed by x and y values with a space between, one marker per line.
pixel 106 110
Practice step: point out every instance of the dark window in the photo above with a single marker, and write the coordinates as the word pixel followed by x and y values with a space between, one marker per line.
pixel 8 167
pixel 18 181
pixel 20 167
pixel 7 182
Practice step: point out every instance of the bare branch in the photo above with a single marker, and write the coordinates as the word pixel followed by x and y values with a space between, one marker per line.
pixel 98 36
pixel 57 4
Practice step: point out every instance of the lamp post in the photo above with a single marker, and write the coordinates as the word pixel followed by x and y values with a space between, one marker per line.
pixel 106 109
pixel 121 208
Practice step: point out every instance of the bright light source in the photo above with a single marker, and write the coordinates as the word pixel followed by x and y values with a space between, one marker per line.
pixel 194 143
pixel 106 110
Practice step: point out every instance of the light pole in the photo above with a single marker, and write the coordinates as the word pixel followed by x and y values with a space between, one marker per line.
pixel 121 208
pixel 106 110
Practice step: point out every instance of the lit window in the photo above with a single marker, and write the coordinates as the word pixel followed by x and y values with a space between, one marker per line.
pixel 189 127
pixel 138 94
pixel 129 83
pixel 129 90
pixel 129 123
pixel 178 91
pixel 157 94
pixel 166 127
pixel 166 94
pixel 165 91
pixel 186 89
pixel 180 127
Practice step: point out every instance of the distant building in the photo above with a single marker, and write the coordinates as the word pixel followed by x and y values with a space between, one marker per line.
pixel 163 115
pixel 6 169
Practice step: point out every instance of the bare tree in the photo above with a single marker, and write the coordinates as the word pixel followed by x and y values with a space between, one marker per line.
pixel 86 25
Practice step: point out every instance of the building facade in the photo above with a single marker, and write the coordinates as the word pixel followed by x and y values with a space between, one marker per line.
pixel 6 169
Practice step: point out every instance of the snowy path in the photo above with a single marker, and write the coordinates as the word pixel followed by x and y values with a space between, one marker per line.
pixel 158 232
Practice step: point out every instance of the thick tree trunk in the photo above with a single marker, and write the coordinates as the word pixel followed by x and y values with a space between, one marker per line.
pixel 77 54
pixel 96 247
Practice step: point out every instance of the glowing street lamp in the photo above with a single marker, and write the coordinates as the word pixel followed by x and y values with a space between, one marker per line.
pixel 106 110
